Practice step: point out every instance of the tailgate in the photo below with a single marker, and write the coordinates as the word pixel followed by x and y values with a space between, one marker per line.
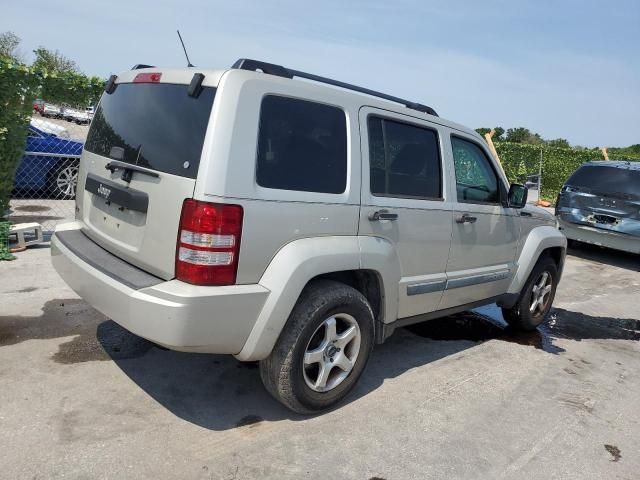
pixel 140 162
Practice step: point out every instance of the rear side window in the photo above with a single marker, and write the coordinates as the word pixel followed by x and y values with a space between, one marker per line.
pixel 404 160
pixel 606 179
pixel 302 146
pixel 154 125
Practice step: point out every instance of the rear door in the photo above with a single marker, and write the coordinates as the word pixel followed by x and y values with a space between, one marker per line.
pixel 485 233
pixel 405 201
pixel 139 163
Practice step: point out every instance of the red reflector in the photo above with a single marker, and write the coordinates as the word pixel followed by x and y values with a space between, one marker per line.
pixel 208 243
pixel 147 77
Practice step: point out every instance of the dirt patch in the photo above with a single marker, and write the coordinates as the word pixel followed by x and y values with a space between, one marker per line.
pixel 110 342
pixel 94 336
pixel 614 451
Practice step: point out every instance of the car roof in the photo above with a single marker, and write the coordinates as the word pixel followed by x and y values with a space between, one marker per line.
pixel 213 77
pixel 626 164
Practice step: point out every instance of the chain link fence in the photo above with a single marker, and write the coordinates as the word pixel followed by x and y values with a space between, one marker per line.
pixel 44 188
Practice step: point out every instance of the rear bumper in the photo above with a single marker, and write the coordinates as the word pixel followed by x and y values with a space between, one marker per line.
pixel 171 313
pixel 601 237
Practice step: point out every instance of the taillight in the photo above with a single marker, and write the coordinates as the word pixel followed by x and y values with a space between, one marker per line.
pixel 208 243
pixel 153 77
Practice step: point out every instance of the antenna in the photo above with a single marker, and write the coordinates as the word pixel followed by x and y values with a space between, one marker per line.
pixel 185 50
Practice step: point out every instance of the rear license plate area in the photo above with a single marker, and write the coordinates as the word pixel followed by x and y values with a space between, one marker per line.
pixel 605 219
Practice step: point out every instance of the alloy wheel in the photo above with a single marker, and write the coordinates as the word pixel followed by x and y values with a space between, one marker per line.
pixel 66 180
pixel 331 352
pixel 540 293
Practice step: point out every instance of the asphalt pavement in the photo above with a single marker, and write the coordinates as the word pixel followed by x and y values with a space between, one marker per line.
pixel 461 397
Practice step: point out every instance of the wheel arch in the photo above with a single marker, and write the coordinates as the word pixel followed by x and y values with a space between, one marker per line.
pixel 348 259
pixel 543 240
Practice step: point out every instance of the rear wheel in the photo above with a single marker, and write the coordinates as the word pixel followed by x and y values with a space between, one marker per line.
pixel 62 183
pixel 322 350
pixel 536 297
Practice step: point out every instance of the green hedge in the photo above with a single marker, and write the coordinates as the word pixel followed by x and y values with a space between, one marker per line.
pixel 520 160
pixel 19 86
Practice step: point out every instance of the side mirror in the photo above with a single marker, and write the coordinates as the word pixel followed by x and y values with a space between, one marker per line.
pixel 517 197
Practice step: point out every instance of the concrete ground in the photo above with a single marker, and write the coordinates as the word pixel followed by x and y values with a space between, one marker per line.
pixel 458 398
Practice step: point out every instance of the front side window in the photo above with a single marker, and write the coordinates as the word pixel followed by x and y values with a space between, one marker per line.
pixel 302 146
pixel 476 181
pixel 404 160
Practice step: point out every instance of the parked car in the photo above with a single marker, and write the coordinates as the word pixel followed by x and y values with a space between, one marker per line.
pixel 600 204
pixel 38 105
pixel 51 111
pixel 73 115
pixel 50 163
pixel 533 186
pixel 311 222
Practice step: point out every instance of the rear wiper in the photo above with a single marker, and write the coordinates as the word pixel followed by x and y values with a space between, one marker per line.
pixel 128 169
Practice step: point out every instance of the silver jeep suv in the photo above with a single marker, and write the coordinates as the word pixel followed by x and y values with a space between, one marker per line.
pixel 286 221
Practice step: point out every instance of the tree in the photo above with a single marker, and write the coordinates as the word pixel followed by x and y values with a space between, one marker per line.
pixel 559 143
pixel 497 136
pixel 53 61
pixel 523 135
pixel 9 42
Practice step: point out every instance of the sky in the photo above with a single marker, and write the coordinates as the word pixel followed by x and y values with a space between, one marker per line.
pixel 565 68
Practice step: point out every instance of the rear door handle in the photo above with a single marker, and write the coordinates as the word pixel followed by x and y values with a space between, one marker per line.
pixel 466 218
pixel 383 215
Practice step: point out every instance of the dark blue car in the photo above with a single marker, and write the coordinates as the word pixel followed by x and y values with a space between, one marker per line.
pixel 50 163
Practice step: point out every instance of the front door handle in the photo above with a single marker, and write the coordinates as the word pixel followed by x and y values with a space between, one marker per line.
pixel 466 218
pixel 383 215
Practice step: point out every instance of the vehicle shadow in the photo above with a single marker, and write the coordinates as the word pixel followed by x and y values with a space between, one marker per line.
pixel 219 393
pixel 615 258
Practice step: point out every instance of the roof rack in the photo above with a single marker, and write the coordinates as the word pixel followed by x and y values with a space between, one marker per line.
pixel 280 71
pixel 138 66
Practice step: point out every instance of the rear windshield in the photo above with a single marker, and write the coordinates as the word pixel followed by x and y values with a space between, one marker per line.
pixel 156 126
pixel 603 179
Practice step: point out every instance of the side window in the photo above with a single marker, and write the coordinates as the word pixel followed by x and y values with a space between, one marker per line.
pixel 476 181
pixel 404 160
pixel 302 146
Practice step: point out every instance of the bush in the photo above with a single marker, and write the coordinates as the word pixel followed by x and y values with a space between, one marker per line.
pixel 19 86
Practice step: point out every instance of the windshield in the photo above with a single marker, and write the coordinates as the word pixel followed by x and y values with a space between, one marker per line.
pixel 157 126
pixel 604 179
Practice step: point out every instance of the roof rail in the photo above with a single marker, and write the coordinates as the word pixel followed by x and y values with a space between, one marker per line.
pixel 138 66
pixel 280 71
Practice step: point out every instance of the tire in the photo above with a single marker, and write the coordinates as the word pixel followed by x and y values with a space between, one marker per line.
pixel 63 180
pixel 521 316
pixel 296 379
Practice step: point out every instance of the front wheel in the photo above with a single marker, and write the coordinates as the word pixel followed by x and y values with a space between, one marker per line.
pixel 536 297
pixel 323 348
